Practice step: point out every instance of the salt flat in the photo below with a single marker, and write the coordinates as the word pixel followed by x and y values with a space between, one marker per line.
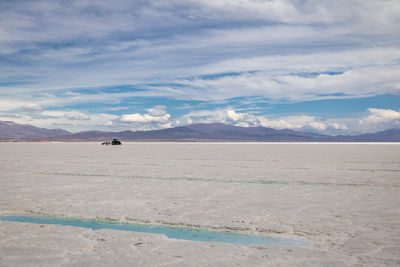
pixel 343 199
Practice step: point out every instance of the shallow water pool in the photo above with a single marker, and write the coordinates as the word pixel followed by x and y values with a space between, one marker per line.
pixel 183 233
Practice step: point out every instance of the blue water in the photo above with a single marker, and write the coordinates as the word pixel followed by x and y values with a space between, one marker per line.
pixel 171 232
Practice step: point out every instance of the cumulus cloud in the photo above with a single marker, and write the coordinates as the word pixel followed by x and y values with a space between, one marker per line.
pixel 144 118
pixel 231 114
pixel 157 111
pixel 240 118
pixel 338 126
pixel 156 114
pixel 381 116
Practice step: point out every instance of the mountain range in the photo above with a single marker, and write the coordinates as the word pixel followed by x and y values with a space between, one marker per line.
pixel 216 132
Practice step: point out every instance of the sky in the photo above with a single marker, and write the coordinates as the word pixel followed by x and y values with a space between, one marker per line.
pixel 330 67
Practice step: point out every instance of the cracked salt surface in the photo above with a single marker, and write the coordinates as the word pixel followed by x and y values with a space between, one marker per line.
pixel 191 234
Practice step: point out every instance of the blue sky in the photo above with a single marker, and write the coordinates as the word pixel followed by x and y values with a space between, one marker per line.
pixel 324 66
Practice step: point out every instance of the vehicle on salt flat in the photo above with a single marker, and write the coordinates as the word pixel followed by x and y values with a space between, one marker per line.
pixel 115 141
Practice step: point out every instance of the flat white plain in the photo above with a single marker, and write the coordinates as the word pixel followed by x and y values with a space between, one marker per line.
pixel 342 198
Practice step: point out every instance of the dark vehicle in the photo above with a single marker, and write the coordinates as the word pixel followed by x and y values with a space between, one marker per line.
pixel 115 141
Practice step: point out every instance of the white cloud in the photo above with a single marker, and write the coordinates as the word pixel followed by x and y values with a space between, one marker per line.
pixel 32 107
pixel 299 122
pixel 144 118
pixel 231 114
pixel 76 116
pixel 381 116
pixel 157 111
pixel 276 123
pixel 156 114
pixel 338 126
pixel 317 125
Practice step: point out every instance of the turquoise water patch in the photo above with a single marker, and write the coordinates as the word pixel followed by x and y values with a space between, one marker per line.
pixel 191 234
